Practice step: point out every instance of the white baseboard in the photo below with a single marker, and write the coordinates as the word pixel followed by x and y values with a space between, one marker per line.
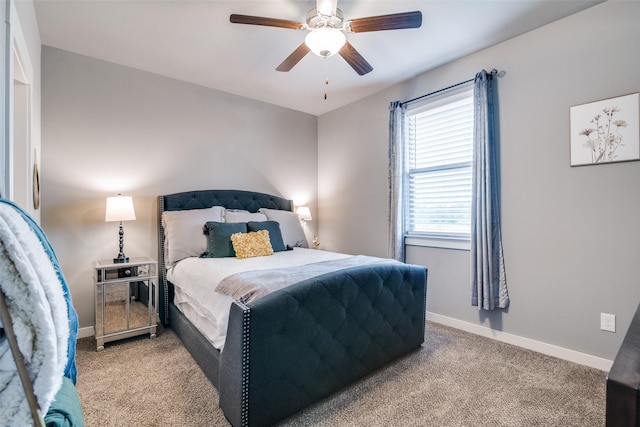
pixel 539 346
pixel 86 332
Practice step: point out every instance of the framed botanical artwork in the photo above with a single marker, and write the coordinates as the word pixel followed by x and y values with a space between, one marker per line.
pixel 605 131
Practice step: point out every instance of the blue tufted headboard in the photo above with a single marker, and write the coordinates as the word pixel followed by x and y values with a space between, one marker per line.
pixel 200 199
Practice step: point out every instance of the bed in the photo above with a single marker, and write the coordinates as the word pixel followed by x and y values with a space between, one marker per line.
pixel 296 344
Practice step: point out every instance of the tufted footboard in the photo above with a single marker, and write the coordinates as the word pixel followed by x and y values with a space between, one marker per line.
pixel 298 345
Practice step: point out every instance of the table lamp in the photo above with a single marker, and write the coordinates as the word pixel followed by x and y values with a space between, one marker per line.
pixel 304 213
pixel 120 208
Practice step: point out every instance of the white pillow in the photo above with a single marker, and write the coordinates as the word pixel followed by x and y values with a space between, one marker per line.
pixel 237 215
pixel 183 232
pixel 292 232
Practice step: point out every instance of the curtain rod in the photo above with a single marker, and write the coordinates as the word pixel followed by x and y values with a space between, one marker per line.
pixel 493 72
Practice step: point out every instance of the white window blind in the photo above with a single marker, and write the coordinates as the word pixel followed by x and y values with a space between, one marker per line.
pixel 440 149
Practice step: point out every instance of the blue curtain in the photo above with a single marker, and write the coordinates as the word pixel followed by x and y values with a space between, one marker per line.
pixel 488 279
pixel 396 178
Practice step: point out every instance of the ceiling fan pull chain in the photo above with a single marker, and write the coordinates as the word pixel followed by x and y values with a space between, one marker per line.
pixel 326 77
pixel 326 83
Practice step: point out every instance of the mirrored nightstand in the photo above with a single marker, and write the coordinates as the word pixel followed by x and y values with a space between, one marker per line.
pixel 126 299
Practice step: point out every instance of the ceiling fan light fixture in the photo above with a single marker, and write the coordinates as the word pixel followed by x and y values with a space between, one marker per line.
pixel 325 42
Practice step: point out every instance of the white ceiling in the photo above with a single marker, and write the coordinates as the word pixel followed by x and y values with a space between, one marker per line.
pixel 194 41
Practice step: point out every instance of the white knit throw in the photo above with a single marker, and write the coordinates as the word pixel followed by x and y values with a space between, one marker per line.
pixel 39 316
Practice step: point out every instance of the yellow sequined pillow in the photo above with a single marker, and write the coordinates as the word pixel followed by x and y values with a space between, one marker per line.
pixel 255 243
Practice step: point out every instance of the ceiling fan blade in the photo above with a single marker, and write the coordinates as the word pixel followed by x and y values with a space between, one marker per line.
pixel 294 58
pixel 395 21
pixel 353 58
pixel 267 22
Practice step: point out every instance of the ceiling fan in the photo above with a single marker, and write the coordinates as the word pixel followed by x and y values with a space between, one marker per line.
pixel 327 27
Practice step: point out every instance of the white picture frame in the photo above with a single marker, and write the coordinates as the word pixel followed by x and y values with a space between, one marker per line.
pixel 605 131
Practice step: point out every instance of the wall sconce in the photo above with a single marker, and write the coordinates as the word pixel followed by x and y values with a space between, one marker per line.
pixel 120 208
pixel 304 213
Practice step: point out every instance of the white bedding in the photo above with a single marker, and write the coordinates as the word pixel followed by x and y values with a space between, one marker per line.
pixel 196 278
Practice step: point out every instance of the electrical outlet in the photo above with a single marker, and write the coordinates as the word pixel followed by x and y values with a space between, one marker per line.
pixel 608 322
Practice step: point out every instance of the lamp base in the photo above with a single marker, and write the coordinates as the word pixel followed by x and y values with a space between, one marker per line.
pixel 120 258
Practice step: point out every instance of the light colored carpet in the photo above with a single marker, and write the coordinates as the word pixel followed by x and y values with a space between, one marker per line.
pixel 454 379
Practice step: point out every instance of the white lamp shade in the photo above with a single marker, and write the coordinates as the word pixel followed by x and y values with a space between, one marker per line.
pixel 119 208
pixel 325 41
pixel 304 213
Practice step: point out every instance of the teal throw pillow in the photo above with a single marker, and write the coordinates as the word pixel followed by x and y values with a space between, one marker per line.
pixel 275 235
pixel 219 238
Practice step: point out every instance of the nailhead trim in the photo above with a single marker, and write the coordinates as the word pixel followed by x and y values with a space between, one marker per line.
pixel 161 267
pixel 246 322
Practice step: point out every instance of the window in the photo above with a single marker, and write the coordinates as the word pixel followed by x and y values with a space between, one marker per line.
pixel 439 144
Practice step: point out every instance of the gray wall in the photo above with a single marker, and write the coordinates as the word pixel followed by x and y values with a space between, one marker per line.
pixel 109 129
pixel 571 235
